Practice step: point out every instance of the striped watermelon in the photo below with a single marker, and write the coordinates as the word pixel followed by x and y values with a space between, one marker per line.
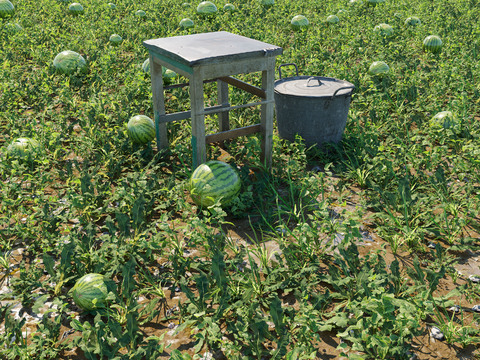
pixel 378 68
pixel 374 2
pixel 333 19
pixel 168 76
pixel 67 62
pixel 267 3
pixel 6 8
pixel 299 22
pixel 413 21
pixel 90 291
pixel 212 181
pixel 443 120
pixel 186 23
pixel 24 148
pixel 75 8
pixel 141 129
pixel 206 8
pixel 13 27
pixel 115 39
pixel 432 43
pixel 384 30
pixel 146 66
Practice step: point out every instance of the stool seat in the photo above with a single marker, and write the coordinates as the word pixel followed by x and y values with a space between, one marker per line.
pixel 213 56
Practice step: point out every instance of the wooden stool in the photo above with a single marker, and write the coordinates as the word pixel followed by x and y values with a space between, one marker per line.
pixel 213 56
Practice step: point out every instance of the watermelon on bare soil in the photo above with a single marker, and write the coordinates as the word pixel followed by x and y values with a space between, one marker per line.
pixel 214 181
pixel 92 291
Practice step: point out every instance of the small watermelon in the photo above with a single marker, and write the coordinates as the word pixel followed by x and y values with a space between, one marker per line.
pixel 212 181
pixel 68 62
pixel 229 7
pixel 141 129
pixel 115 39
pixel 374 2
pixel 186 23
pixel 443 120
pixel 333 19
pixel 378 68
pixel 384 30
pixel 91 290
pixel 13 27
pixel 267 3
pixel 412 21
pixel 146 66
pixel 299 22
pixel 206 8
pixel 75 8
pixel 169 76
pixel 6 8
pixel 433 44
pixel 24 148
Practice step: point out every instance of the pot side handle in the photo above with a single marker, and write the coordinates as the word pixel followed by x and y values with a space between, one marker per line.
pixel 289 64
pixel 343 88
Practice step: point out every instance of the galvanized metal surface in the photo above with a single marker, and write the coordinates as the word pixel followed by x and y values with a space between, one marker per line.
pixel 313 86
pixel 316 108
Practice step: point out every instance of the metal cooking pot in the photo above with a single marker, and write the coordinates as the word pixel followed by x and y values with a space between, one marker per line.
pixel 314 107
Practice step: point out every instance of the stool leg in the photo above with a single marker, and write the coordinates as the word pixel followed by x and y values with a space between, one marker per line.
pixel 268 79
pixel 198 120
pixel 223 117
pixel 158 103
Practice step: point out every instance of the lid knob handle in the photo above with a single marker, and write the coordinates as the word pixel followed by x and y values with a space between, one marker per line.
pixel 313 78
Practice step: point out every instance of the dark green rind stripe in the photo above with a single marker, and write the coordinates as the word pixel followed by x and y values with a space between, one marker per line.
pixel 224 184
pixel 212 180
pixel 231 186
pixel 142 133
pixel 222 174
pixel 203 173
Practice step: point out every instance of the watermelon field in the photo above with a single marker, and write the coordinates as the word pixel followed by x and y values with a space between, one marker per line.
pixel 365 249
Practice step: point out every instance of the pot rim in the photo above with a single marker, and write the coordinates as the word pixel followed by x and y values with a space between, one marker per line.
pixel 344 85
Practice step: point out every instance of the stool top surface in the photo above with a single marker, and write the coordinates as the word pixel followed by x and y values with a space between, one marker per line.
pixel 205 48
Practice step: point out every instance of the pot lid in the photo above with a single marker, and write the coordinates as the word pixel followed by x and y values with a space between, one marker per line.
pixel 313 86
